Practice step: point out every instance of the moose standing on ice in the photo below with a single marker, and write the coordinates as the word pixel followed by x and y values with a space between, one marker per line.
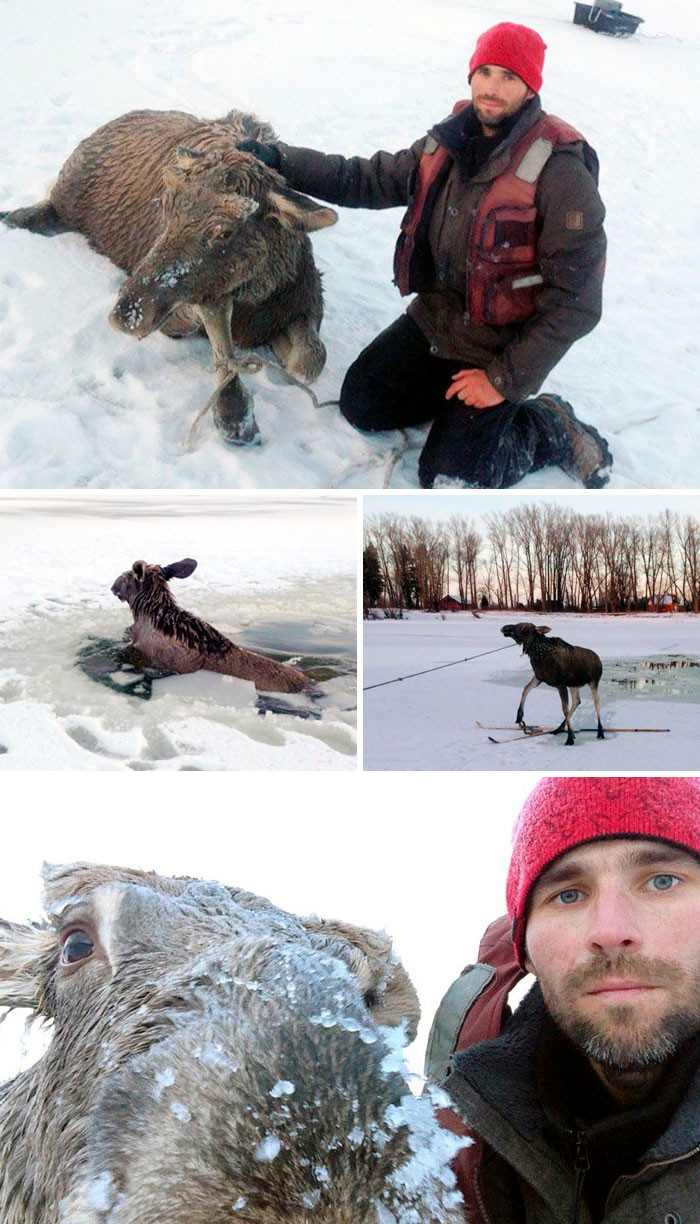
pixel 560 665
pixel 211 238
pixel 212 1059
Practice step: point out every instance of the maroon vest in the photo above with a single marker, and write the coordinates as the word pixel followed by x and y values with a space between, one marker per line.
pixel 502 274
pixel 482 1022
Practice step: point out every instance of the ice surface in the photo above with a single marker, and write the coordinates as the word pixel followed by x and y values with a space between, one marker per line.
pixel 429 722
pixel 84 405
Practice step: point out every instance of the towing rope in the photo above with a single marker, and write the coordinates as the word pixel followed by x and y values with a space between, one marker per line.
pixel 440 667
pixel 249 363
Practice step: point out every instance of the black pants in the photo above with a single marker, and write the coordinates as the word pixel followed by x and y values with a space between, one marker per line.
pixel 396 382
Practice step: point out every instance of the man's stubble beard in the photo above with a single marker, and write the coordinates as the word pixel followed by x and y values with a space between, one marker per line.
pixel 611 1041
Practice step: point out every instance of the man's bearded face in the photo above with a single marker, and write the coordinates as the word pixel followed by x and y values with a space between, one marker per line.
pixel 613 936
pixel 497 94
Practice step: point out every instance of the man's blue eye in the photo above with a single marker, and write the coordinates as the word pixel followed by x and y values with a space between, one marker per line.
pixel 569 895
pixel 662 883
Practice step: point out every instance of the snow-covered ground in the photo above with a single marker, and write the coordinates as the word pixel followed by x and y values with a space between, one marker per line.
pixel 278 576
pixel 430 721
pixel 85 406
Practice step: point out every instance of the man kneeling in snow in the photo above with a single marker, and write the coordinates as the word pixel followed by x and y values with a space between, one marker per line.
pixel 588 1103
pixel 503 244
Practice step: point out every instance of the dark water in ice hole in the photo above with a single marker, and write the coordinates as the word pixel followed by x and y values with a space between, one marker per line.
pixel 321 658
pixel 658 677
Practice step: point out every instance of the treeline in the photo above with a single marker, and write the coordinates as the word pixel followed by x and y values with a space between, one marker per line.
pixel 538 557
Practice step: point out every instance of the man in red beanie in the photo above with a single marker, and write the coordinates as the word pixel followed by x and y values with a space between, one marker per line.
pixel 503 244
pixel 588 1104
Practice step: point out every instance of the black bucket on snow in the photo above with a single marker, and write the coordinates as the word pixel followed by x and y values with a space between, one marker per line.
pixel 607 18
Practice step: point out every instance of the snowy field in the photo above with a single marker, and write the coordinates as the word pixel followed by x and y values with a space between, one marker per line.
pixel 276 576
pixel 430 721
pixel 85 406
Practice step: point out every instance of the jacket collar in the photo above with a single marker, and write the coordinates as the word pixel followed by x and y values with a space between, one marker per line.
pixel 452 132
pixel 503 1073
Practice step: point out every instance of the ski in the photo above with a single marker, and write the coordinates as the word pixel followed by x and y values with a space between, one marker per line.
pixel 524 735
pixel 532 728
pixel 532 734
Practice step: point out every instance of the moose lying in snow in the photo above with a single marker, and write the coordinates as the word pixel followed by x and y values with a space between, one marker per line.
pixel 213 1058
pixel 169 637
pixel 560 665
pixel 211 238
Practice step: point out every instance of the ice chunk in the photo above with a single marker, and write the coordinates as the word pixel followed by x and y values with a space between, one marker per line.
pixel 268 1149
pixel 282 1088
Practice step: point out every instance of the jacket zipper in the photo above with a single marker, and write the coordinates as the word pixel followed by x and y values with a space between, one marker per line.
pixel 486 1219
pixel 654 1164
pixel 581 1164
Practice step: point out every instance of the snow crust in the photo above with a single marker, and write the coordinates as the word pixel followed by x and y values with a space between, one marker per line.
pixel 83 405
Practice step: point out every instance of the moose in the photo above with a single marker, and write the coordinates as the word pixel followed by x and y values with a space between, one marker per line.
pixel 557 663
pixel 167 636
pixel 211 239
pixel 212 1058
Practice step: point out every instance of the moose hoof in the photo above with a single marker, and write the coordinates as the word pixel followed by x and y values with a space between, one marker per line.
pixel 234 417
pixel 601 734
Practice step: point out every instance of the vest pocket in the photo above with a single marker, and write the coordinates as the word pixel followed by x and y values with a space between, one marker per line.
pixel 508 235
pixel 511 295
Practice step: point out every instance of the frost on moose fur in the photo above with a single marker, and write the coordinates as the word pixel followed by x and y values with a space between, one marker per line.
pixel 211 238
pixel 189 1075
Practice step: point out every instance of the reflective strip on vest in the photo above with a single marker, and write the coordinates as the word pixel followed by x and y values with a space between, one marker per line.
pixel 535 160
pixel 449 1018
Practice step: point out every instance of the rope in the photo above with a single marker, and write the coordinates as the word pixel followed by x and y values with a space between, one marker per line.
pixel 251 365
pixel 440 667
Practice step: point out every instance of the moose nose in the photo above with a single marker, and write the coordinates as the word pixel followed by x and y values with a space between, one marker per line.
pixel 127 315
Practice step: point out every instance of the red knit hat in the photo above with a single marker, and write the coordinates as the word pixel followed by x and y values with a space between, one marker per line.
pixel 515 47
pixel 564 812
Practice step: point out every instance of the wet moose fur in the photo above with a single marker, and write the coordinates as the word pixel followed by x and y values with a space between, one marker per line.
pixel 169 637
pixel 212 1058
pixel 557 663
pixel 211 238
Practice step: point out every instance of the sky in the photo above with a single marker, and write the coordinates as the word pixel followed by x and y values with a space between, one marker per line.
pixel 441 505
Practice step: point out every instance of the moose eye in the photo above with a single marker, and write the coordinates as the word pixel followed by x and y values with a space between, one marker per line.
pixel 220 237
pixel 77 946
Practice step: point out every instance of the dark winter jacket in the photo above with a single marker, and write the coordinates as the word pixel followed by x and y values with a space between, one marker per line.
pixel 544 1164
pixel 570 242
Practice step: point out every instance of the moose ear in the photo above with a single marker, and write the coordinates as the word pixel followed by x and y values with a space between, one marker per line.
pixel 25 955
pixel 180 569
pixel 389 992
pixel 138 569
pixel 543 629
pixel 186 158
pixel 298 212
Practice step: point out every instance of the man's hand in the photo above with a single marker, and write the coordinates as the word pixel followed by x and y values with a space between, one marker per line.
pixel 269 154
pixel 474 388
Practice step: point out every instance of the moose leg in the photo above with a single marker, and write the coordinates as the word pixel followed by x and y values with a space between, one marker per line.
pixel 564 694
pixel 519 717
pixel 233 410
pixel 594 693
pixel 38 218
pixel 300 350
